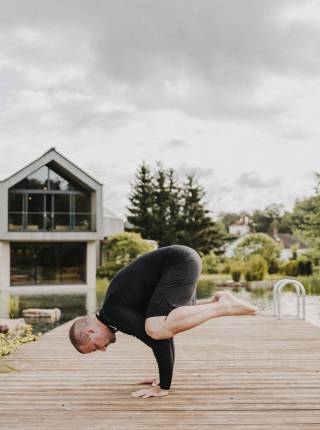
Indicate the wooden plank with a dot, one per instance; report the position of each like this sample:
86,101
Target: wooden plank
231,373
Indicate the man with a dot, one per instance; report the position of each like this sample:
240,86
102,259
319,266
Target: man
153,298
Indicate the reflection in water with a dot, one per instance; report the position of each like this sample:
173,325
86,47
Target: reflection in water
73,305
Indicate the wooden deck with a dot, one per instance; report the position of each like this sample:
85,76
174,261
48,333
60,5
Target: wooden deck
240,373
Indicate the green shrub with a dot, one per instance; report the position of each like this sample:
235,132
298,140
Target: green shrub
304,266
119,250
256,268
297,267
210,263
237,267
109,269
289,268
273,266
311,284
236,275
257,244
248,276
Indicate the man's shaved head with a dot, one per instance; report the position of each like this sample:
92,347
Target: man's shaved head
88,334
77,335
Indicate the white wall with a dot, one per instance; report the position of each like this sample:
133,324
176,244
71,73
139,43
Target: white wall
112,225
239,230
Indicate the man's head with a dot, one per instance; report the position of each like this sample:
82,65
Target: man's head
88,334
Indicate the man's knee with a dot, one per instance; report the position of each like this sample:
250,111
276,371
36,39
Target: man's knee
155,327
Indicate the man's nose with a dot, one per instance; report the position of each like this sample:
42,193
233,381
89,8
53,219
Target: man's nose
103,348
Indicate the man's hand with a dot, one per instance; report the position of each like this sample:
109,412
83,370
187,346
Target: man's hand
152,381
150,392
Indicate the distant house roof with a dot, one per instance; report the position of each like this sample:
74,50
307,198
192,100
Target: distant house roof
288,240
244,220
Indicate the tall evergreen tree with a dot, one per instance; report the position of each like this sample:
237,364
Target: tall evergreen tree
141,198
167,205
198,230
174,209
306,215
163,210
160,206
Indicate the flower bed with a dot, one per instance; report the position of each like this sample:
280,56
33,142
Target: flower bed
12,339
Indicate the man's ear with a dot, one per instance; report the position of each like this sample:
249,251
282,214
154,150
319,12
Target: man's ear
88,330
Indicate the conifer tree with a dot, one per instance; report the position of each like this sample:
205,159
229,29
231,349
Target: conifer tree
174,208
160,206
163,210
141,206
198,230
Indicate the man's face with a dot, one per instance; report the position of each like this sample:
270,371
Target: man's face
100,338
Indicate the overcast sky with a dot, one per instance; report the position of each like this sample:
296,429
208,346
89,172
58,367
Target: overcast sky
228,89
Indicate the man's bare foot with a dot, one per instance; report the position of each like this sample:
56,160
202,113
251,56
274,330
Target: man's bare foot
231,305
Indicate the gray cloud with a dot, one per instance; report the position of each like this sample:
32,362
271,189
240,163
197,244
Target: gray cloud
175,144
199,171
253,180
205,58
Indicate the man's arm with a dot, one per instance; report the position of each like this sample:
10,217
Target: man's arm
133,323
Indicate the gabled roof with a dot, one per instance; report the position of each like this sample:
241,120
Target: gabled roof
53,156
288,240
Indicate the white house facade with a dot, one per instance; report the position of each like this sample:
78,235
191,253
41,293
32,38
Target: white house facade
51,224
112,223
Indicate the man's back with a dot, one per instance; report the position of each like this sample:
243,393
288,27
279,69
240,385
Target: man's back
134,285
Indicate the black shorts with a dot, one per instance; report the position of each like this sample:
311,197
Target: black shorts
178,283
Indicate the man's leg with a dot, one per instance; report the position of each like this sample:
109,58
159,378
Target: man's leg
186,317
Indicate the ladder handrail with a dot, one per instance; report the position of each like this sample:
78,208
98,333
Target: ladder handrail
300,291
275,295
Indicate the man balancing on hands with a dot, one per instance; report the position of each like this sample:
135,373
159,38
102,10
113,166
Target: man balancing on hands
153,299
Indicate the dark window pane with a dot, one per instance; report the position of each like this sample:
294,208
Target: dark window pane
22,264
38,180
62,222
50,263
36,203
82,203
73,258
15,221
35,212
15,216
62,203
57,182
15,202
82,222
35,221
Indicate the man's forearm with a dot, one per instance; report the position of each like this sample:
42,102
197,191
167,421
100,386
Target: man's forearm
203,301
163,353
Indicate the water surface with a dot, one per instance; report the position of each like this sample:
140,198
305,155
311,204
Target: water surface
73,305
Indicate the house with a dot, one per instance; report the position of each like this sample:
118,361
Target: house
240,227
51,224
112,223
288,243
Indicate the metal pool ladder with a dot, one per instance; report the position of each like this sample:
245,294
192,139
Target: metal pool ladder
301,297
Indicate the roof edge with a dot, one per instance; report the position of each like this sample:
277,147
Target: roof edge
52,149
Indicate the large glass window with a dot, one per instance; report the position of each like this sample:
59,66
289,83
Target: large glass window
35,211
46,200
16,209
47,263
38,180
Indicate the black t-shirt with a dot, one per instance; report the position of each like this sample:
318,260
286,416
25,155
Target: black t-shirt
127,300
